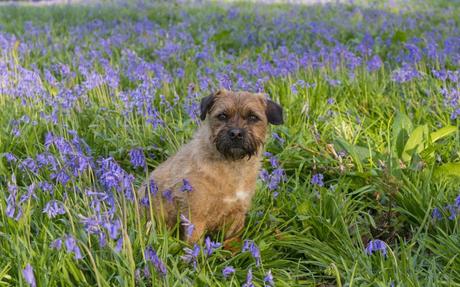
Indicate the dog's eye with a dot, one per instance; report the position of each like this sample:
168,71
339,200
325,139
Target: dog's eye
253,118
222,117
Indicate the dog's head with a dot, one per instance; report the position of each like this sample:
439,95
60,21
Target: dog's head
238,121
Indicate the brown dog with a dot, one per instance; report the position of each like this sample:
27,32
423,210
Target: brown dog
211,180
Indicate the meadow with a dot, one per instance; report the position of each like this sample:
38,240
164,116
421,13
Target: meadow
359,187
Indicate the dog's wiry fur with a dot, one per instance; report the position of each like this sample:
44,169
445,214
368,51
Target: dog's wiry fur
221,163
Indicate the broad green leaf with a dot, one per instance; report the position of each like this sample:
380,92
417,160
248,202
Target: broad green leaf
399,36
442,132
448,169
417,141
359,154
402,127
221,35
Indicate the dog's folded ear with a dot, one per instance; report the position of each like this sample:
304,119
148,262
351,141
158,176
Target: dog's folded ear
274,113
205,106
207,102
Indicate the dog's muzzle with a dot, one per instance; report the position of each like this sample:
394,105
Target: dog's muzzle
234,144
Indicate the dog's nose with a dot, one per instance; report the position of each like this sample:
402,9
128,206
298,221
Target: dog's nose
236,134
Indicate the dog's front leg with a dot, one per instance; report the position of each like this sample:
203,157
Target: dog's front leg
232,234
198,231
235,228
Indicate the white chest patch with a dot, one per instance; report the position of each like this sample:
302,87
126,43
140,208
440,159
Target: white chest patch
240,195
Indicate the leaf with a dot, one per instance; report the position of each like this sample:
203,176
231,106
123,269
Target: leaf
358,153
442,132
399,36
448,169
416,143
402,127
222,35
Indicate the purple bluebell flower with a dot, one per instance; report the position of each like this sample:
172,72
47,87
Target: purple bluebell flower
374,63
278,138
330,101
137,157
189,227
137,274
227,271
15,132
56,244
168,194
436,214
191,104
29,164
28,274
13,209
46,186
180,73
112,176
441,74
453,76
9,157
413,54
63,146
151,255
268,279
49,139
49,77
186,186
366,45
54,208
405,74
317,179
119,245
455,114
210,246
145,201
72,247
46,159
113,228
61,177
250,246
274,161
264,175
92,224
376,245
191,255
248,282
333,83
30,193
153,187
276,178
273,179
102,239
453,210
12,187
147,272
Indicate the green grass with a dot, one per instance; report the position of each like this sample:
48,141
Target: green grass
308,235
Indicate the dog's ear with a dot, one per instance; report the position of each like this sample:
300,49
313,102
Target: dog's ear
206,104
274,113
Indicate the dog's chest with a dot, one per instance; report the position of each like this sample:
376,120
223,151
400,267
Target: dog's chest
240,195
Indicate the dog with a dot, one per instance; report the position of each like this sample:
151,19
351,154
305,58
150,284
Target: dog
211,180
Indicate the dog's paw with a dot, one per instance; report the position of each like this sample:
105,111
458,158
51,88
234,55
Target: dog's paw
233,245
